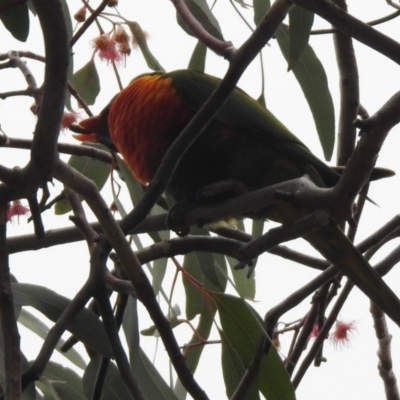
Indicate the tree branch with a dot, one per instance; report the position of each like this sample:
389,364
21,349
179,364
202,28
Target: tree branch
353,27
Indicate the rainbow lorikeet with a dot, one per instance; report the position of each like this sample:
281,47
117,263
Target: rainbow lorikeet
244,143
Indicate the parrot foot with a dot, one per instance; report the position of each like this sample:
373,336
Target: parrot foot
221,189
175,217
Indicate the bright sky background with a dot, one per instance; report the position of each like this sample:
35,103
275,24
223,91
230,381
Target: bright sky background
349,373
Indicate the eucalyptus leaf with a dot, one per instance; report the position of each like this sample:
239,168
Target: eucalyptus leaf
193,355
62,381
85,326
201,11
260,7
198,59
114,387
33,323
300,24
311,76
152,383
15,18
70,71
86,81
193,293
242,330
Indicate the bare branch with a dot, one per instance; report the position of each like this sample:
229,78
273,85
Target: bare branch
353,27
88,22
9,328
349,93
385,364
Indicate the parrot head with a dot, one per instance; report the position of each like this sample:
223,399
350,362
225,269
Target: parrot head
95,130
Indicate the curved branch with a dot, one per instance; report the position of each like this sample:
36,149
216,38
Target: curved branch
44,144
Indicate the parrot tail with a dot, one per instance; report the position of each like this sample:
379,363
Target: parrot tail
331,242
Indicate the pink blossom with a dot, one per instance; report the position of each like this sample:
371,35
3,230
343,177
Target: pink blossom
315,331
342,333
106,48
68,119
15,210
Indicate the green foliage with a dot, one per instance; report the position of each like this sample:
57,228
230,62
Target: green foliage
311,76
260,7
152,383
300,24
86,326
15,18
60,383
203,14
242,331
198,59
87,83
113,386
95,170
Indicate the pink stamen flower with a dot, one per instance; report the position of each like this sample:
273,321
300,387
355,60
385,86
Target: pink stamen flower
68,119
15,210
342,333
315,331
106,48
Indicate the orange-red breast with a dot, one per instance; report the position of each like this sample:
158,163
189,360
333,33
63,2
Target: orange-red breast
243,143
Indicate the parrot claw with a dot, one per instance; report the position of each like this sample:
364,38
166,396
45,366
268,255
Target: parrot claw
175,218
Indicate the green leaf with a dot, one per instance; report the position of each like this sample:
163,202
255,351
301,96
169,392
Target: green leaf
134,187
242,331
198,59
311,76
87,83
15,18
159,270
203,14
62,382
137,32
234,369
300,24
68,24
213,266
193,355
194,296
113,386
150,331
260,7
246,287
85,326
95,170
37,326
151,382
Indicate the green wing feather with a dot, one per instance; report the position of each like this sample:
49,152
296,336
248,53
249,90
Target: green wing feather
247,116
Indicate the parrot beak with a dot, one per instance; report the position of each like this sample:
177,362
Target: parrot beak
94,130
87,130
86,137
